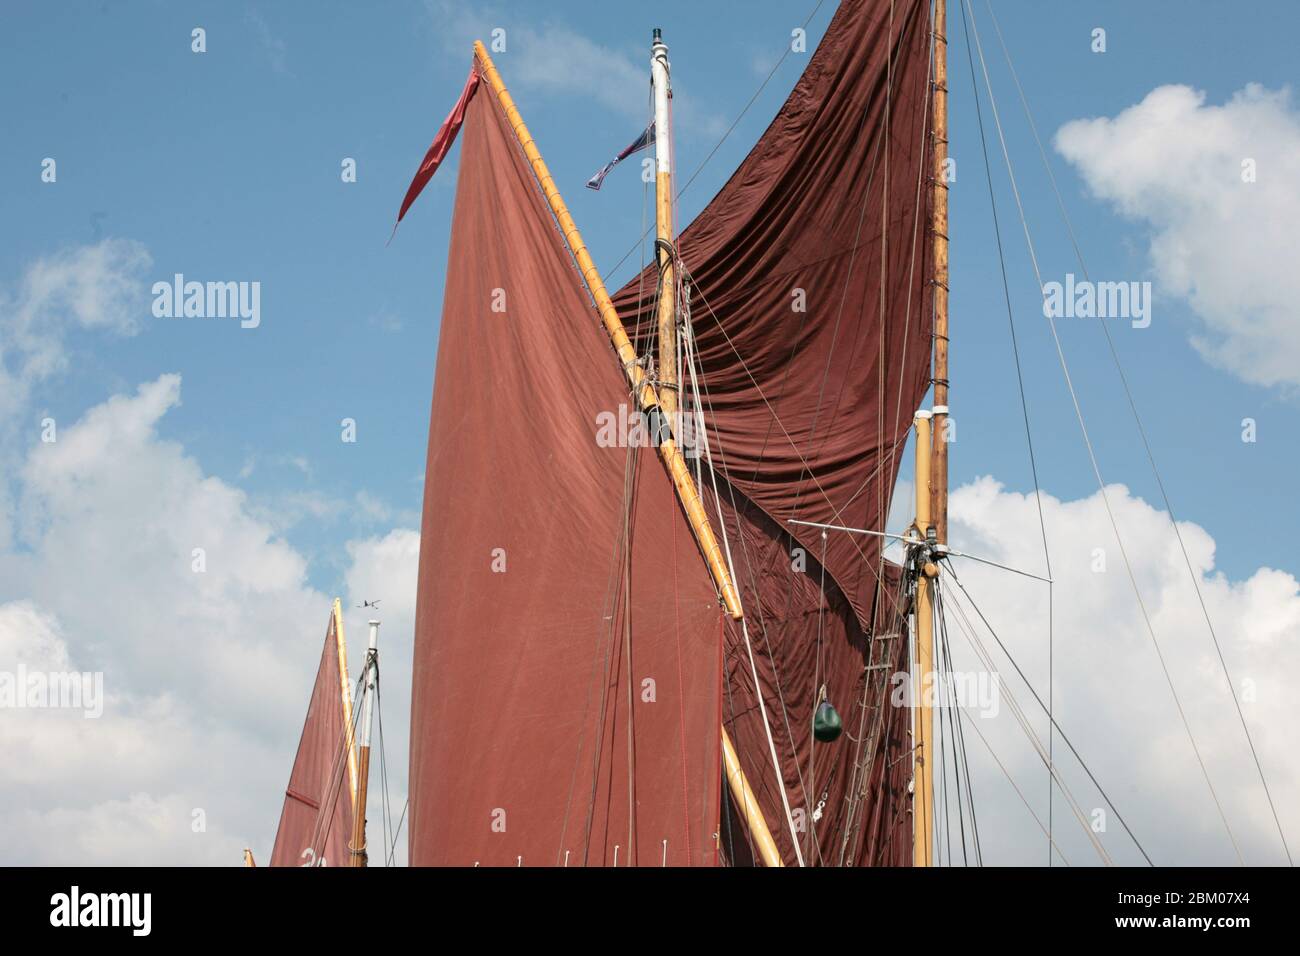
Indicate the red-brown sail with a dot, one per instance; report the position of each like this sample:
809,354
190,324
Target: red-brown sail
550,562
316,821
520,721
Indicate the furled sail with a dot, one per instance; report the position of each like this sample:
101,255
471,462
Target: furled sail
811,312
572,665
316,822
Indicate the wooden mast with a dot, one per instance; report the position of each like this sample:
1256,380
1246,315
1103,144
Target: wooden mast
939,239
357,846
923,661
664,238
932,463
647,396
665,245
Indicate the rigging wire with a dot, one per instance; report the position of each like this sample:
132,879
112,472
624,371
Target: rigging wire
383,766
1093,458
963,624
397,834
957,580
958,737
1011,780
610,609
718,145
1169,510
1024,408
707,455
726,547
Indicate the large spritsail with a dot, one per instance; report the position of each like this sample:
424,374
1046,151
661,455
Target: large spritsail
316,821
572,664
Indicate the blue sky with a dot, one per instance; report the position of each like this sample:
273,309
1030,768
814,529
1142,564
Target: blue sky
225,165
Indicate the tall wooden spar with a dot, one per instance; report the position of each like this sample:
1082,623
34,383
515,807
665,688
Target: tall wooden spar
939,239
923,658
664,238
369,687
932,466
665,246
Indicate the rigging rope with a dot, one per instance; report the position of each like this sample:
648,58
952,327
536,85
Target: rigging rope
1169,510
786,48
1093,458
957,580
1029,439
981,652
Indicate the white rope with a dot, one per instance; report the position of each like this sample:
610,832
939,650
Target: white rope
1078,411
744,626
963,625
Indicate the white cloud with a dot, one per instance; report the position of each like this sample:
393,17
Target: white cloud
206,675
99,286
1224,245
276,50
1110,696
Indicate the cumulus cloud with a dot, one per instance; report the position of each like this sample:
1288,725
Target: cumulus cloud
207,660
98,286
206,673
207,656
122,558
131,562
1175,163
1110,695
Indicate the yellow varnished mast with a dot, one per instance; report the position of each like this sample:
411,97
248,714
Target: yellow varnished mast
939,239
669,379
665,240
932,466
923,659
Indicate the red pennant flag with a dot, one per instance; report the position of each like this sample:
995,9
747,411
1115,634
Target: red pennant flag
441,143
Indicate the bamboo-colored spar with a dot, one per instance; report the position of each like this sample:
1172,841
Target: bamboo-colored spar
248,857
667,302
642,388
346,685
923,665
357,847
744,797
939,238
667,318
